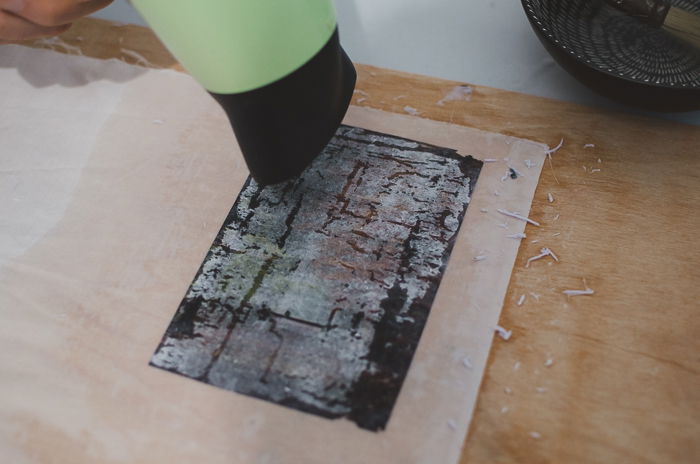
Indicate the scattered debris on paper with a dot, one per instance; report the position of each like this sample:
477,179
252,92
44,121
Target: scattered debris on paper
518,216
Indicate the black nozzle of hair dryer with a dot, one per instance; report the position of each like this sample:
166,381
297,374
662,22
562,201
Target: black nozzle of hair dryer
283,126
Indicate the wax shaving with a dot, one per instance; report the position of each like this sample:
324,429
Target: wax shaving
540,389
504,409
411,110
587,291
599,160
529,164
503,333
460,92
361,99
521,300
589,145
497,193
550,198
452,424
544,252
466,362
556,234
490,160
507,390
535,435
548,362
517,236
503,225
536,296
57,45
140,60
361,92
158,121
516,366
479,258
556,218
484,210
535,241
550,151
399,97
505,176
595,170
518,216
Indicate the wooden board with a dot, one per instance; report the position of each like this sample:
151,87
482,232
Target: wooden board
624,385
117,233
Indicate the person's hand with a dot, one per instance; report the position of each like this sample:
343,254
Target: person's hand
32,19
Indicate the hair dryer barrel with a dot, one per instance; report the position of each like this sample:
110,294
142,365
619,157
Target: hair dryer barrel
277,69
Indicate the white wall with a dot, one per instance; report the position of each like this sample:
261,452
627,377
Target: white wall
485,42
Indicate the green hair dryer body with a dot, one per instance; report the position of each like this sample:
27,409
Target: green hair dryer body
275,66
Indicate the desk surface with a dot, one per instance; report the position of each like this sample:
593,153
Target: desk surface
624,379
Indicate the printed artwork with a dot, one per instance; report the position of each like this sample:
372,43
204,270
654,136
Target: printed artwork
315,292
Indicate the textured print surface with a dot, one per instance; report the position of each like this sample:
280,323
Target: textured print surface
316,291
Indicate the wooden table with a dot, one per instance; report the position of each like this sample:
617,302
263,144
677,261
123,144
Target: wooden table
624,379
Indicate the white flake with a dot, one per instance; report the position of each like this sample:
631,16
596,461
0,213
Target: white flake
550,198
518,216
544,252
589,145
521,300
460,92
503,333
140,59
466,362
535,435
549,151
517,236
548,362
587,291
411,110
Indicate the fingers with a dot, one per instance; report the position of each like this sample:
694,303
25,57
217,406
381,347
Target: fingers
15,29
51,13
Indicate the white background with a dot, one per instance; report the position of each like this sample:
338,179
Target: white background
484,42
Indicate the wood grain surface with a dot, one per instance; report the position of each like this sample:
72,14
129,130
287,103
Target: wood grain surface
624,379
